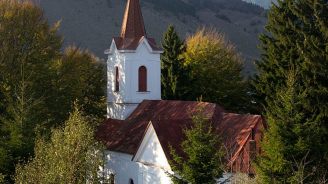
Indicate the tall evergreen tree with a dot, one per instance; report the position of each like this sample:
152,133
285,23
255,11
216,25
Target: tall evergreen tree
204,154
173,72
298,39
291,138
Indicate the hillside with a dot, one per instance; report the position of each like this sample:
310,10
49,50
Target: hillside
263,3
91,24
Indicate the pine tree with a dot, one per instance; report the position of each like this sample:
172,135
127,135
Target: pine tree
202,147
298,39
288,139
173,72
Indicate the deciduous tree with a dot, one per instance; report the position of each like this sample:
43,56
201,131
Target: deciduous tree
80,76
28,44
72,155
215,71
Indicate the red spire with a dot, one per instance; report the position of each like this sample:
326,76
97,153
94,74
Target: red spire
133,24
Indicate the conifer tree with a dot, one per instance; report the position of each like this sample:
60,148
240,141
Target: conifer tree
298,39
288,139
204,155
173,73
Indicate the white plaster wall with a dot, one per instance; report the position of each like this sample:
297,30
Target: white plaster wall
153,162
128,63
152,175
151,152
120,111
143,57
122,167
149,166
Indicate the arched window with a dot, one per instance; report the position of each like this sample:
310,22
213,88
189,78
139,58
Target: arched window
142,79
117,80
131,181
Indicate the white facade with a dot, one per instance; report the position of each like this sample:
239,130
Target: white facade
122,103
148,166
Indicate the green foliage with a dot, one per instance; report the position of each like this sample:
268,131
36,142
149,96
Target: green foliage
204,152
27,46
80,76
71,156
242,178
173,72
297,39
38,84
292,138
215,71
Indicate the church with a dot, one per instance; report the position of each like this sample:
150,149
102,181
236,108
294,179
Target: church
141,127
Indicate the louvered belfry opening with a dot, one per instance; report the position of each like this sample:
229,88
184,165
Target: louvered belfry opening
142,79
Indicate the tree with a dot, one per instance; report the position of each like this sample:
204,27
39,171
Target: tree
17,126
72,155
291,137
215,71
204,152
27,45
297,38
173,72
80,76
38,83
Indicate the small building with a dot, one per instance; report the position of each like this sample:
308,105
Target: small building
141,127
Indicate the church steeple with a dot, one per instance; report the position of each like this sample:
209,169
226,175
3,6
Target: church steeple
133,66
133,24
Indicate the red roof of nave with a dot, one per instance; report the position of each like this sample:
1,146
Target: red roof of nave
169,119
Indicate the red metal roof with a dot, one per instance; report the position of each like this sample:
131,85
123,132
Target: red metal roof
133,43
170,118
133,24
133,29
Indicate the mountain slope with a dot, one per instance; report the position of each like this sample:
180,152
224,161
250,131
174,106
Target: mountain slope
263,3
92,23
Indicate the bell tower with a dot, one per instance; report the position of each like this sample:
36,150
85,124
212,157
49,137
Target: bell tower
133,66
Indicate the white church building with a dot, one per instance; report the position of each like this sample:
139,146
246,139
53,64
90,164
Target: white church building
141,127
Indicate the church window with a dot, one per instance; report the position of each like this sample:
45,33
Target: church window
142,79
117,78
131,181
